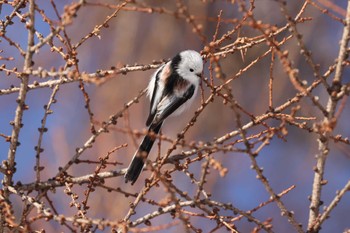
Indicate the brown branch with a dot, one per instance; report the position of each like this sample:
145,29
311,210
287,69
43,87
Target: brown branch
327,126
89,143
8,21
322,217
38,168
21,107
236,117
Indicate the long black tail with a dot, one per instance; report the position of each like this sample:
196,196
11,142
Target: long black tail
141,155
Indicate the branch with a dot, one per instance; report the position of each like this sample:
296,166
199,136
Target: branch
327,126
17,123
320,219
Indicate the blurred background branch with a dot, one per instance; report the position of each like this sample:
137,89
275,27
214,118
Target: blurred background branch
274,94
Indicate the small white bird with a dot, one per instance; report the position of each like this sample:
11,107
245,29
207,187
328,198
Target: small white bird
172,89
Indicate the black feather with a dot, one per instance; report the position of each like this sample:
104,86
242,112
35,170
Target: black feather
138,161
156,118
175,104
169,85
174,76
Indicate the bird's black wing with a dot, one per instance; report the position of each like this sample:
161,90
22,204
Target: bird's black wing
138,161
174,103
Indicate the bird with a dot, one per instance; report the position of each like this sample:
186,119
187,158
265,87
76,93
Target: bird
172,89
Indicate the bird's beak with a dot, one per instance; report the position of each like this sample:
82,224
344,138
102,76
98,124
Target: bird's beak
199,75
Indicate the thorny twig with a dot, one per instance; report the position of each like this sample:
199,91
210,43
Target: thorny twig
182,183
327,126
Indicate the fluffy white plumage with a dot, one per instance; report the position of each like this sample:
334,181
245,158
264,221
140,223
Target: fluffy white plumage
189,68
171,89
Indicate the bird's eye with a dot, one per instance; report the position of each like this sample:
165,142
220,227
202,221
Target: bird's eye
191,69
